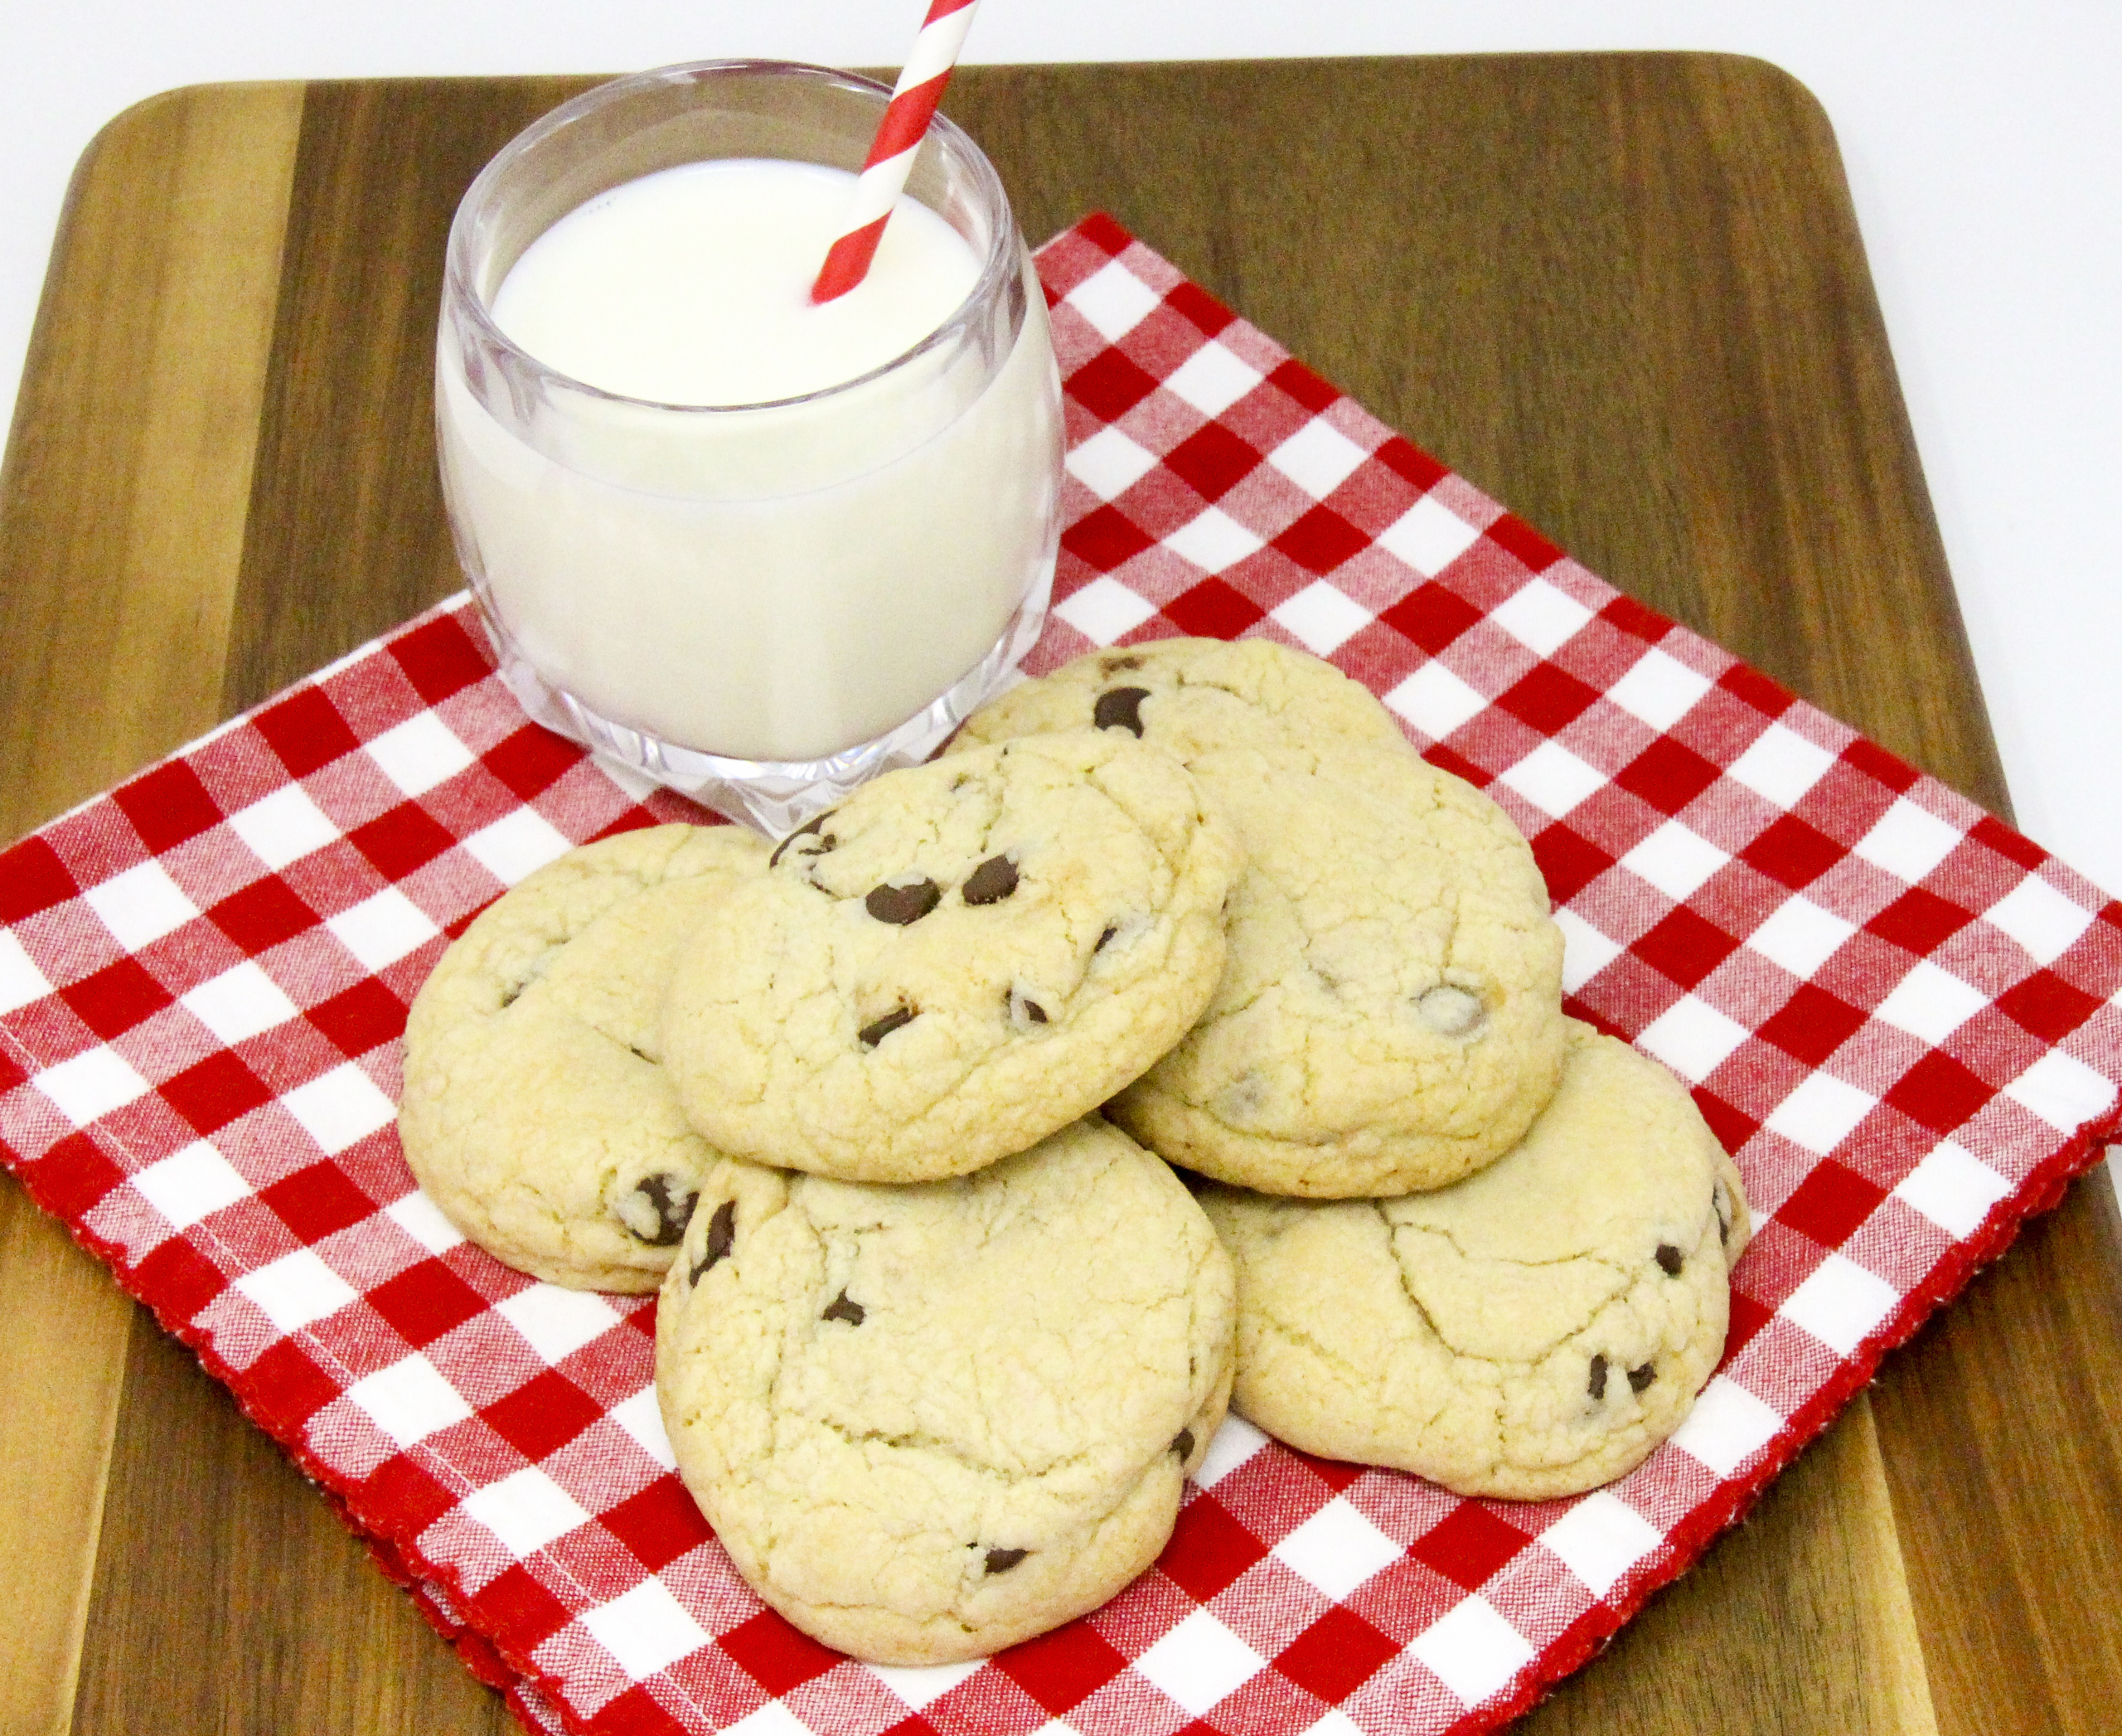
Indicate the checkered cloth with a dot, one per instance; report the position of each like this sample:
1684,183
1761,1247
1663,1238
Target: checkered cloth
1899,1014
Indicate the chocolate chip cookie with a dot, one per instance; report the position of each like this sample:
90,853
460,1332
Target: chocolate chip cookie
536,1114
1391,1016
1534,1331
960,959
928,1421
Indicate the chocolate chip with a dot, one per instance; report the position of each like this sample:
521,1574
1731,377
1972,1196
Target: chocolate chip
1451,1012
1242,1099
874,1034
1182,1443
1113,665
636,1050
1723,1229
903,905
672,1203
1122,932
1597,1389
1120,708
721,1237
1640,1378
1001,1561
843,1309
814,827
991,882
1669,1259
1022,1012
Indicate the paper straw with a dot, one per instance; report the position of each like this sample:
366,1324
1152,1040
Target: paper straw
900,134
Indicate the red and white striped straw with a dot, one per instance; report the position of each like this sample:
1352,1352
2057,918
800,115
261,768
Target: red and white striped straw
900,134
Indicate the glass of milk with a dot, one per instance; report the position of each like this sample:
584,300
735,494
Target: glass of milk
753,549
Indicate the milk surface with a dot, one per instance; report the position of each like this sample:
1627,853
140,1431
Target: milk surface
693,285
777,581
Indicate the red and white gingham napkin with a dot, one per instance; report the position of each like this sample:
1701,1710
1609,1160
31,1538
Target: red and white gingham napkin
1899,1014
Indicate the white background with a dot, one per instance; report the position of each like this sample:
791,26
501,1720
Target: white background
1982,141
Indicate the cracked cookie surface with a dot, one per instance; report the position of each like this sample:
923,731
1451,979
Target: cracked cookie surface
1190,696
536,1114
928,1421
1534,1331
1390,1017
961,958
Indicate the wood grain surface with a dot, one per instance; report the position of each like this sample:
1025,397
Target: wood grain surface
1624,293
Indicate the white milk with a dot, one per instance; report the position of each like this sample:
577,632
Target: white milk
692,286
775,581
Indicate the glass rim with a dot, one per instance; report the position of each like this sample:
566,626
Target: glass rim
457,291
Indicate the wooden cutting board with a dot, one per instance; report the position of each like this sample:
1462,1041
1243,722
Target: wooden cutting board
1625,293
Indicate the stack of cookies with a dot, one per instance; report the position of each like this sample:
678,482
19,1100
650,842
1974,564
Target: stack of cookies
1474,1239
937,1340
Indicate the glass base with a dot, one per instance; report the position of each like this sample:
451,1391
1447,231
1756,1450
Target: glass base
773,797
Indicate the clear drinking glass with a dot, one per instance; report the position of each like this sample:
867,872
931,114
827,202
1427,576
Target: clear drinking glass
761,605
